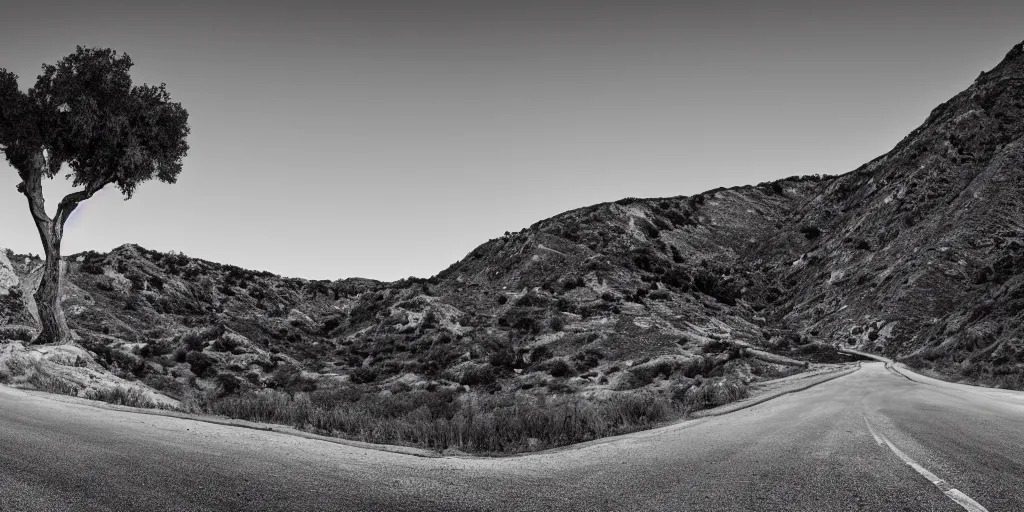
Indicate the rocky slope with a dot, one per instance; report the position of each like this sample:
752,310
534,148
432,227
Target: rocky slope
917,255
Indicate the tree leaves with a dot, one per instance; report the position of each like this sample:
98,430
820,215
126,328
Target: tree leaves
18,133
85,112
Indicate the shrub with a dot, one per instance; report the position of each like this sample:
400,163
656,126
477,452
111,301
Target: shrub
201,364
155,348
500,423
330,324
196,339
522,320
716,286
12,306
646,260
429,319
676,256
42,380
123,395
810,232
363,375
17,333
289,378
531,299
588,359
557,323
677,277
714,392
558,367
227,343
502,356
229,383
573,283
540,353
476,375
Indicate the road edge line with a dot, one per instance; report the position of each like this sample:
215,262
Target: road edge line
952,493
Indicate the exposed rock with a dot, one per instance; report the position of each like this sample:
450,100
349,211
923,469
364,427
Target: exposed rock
8,277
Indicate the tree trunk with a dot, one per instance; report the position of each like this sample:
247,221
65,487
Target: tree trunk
51,314
54,326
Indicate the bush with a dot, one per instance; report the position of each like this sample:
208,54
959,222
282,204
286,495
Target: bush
522,320
42,380
201,364
17,333
363,375
531,299
572,283
500,423
810,232
155,348
714,392
588,359
196,339
229,383
503,357
330,324
557,323
540,353
226,343
122,395
558,367
429,319
477,375
716,286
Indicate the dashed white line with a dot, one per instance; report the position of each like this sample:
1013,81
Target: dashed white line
960,498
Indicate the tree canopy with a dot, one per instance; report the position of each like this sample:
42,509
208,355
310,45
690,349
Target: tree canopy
85,113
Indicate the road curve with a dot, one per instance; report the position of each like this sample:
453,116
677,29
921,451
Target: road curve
831,447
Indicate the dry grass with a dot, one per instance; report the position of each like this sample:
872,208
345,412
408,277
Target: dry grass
42,380
977,373
123,395
473,423
501,423
48,377
715,392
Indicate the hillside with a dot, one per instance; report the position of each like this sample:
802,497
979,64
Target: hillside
917,255
576,303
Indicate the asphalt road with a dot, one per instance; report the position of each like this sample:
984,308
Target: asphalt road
831,447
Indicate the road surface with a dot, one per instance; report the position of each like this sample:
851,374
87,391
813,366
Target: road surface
847,444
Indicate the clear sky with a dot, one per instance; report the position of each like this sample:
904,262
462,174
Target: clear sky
389,138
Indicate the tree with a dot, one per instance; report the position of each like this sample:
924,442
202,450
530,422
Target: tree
84,117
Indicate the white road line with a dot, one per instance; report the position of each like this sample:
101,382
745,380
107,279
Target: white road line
960,498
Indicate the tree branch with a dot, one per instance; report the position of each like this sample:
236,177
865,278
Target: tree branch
72,200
